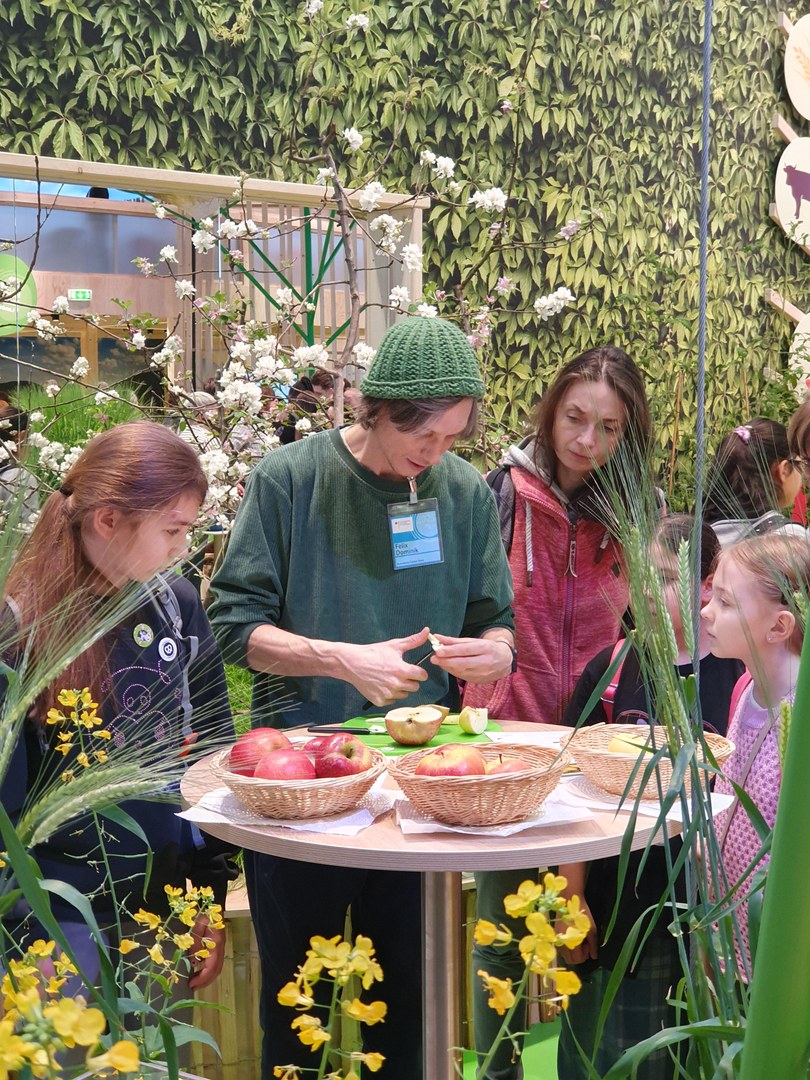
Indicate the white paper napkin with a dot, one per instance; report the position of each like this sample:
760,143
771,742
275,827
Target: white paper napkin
412,821
579,791
221,807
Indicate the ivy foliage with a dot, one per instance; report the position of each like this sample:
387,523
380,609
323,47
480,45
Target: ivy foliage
603,116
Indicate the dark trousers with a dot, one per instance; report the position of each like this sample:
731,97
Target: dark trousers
290,902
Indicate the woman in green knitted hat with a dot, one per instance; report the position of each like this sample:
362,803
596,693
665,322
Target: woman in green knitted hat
332,577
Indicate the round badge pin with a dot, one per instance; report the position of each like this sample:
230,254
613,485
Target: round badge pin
142,635
167,648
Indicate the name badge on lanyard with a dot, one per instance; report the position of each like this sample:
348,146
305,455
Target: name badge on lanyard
416,534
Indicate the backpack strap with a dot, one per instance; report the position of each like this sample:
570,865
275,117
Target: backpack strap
503,488
609,693
740,686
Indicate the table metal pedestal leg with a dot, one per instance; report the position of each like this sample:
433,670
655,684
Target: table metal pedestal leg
441,972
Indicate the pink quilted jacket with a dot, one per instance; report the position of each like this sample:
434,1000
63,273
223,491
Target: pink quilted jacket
570,595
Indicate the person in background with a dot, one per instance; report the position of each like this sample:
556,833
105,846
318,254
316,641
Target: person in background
569,580
755,615
19,491
199,414
799,443
753,480
121,515
640,1007
327,594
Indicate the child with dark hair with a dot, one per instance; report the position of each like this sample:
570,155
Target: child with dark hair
754,478
19,497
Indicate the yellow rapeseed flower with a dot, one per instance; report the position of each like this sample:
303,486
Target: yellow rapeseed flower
537,948
66,776
54,985
487,933
373,1061
500,990
521,903
74,1022
127,945
372,1013
296,997
156,955
101,756
83,760
310,1031
54,716
567,982
41,948
183,941
68,698
122,1056
104,734
287,1072
555,883
146,918
13,1049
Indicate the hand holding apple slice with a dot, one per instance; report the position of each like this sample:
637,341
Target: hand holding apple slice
414,726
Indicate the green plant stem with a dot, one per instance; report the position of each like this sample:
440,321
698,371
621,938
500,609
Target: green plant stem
503,1031
780,999
326,1046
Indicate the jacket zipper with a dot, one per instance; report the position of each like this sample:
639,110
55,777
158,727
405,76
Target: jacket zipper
568,615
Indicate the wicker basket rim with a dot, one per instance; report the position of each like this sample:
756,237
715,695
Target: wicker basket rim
558,760
318,784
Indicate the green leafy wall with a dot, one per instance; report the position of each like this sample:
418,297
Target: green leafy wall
606,116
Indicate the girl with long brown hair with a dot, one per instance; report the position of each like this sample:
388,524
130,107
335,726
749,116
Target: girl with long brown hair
121,515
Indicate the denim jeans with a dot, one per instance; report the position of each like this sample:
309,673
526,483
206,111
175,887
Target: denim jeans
292,901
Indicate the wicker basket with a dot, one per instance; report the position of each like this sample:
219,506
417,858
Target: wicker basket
289,799
483,800
611,772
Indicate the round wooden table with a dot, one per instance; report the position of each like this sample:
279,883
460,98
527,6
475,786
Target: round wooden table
440,858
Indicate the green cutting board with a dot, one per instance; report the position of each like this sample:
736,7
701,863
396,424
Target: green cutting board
447,733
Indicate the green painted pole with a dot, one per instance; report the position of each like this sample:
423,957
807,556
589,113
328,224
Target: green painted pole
777,1039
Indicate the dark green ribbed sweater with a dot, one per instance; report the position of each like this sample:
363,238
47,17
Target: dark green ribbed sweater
310,552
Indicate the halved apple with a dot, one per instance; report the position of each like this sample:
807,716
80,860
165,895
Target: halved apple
414,726
473,721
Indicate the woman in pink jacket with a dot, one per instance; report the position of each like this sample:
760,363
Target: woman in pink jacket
569,580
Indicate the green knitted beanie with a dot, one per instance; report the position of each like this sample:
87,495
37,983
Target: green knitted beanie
423,358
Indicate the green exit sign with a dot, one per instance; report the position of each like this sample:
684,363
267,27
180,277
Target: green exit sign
80,294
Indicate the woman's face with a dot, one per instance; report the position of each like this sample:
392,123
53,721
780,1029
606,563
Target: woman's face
588,426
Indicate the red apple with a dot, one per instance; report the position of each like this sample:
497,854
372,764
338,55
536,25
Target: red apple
343,755
316,745
252,746
285,765
452,760
507,765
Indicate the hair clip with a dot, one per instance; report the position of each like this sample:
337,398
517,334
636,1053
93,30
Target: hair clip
744,433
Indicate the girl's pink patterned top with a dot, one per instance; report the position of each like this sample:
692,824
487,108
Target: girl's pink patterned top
762,785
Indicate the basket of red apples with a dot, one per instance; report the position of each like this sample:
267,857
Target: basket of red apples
485,784
303,778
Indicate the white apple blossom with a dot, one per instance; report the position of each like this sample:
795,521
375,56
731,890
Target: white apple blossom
105,396
169,253
60,306
36,439
70,459
36,417
570,229
215,464
454,188
241,350
427,311
411,256
427,157
138,340
310,356
399,297
264,346
184,288
160,210
81,367
354,140
304,425
171,351
247,227
52,389
8,287
241,394
491,201
325,176
357,22
548,306
203,241
146,267
392,232
51,455
363,354
370,196
285,376
228,230
313,7
444,168
232,372
285,298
